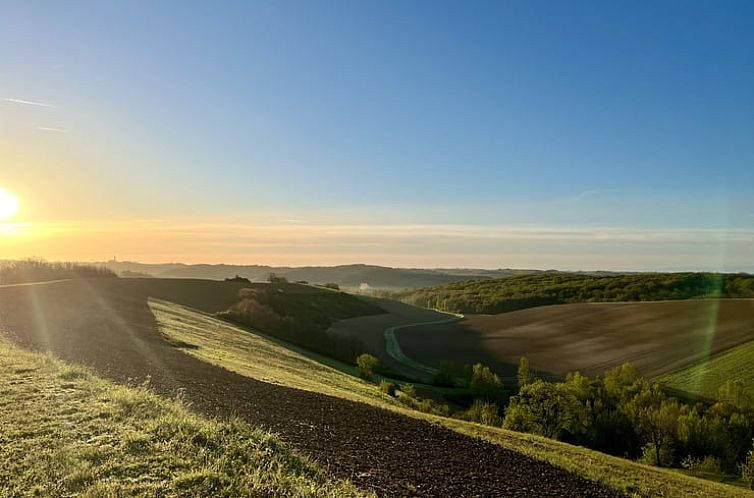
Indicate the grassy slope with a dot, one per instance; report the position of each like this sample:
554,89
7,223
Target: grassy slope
261,357
66,432
704,378
258,357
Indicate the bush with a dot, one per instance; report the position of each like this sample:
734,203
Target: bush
482,378
747,470
408,390
446,374
649,455
388,387
708,464
483,412
368,365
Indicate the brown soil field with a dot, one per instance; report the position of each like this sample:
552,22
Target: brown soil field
108,325
657,337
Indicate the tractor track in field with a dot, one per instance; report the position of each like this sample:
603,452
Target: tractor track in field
107,325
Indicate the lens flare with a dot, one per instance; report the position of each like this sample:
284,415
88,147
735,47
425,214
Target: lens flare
8,204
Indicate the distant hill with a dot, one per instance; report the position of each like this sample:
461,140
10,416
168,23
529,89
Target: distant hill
346,276
530,290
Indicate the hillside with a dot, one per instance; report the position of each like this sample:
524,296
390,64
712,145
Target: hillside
110,326
258,357
347,276
67,432
657,337
302,314
527,291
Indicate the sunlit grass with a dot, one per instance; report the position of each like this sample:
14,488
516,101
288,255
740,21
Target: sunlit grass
256,356
705,378
66,432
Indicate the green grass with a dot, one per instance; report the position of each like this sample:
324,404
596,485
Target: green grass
65,432
705,378
259,357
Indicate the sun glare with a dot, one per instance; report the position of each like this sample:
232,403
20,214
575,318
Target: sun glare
8,204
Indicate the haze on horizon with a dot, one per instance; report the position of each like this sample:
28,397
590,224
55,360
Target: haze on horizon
570,135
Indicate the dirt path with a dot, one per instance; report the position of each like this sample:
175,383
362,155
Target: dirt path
108,325
393,347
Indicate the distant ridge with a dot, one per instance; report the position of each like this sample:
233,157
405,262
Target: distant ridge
346,276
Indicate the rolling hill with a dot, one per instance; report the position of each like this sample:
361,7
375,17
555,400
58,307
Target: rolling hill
527,291
108,324
347,276
657,337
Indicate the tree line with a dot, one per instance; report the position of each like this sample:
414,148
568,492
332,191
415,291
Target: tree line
624,414
526,291
36,270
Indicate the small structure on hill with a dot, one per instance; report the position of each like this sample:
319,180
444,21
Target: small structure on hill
239,279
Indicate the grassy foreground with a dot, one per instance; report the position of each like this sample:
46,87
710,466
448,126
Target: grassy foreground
66,433
705,378
259,357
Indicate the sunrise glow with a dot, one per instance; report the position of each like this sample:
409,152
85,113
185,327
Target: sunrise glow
8,204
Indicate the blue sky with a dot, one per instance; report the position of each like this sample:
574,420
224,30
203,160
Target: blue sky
614,115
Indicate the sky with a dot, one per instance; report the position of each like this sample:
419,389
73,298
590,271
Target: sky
528,134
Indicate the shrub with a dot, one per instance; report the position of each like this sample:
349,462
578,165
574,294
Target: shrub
388,387
708,464
409,390
483,378
747,470
446,374
368,365
483,412
650,453
526,374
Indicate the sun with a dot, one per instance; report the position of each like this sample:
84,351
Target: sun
8,204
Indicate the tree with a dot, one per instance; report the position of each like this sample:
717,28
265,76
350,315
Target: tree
446,374
367,365
526,374
735,393
482,378
543,408
747,470
275,279
483,413
656,420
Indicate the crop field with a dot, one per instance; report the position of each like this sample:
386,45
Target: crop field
657,337
705,378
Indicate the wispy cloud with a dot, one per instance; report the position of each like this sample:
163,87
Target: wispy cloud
54,130
591,193
29,102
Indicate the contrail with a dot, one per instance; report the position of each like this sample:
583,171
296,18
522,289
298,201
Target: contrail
29,102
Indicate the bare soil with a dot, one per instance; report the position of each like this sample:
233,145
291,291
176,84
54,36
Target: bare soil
108,325
657,337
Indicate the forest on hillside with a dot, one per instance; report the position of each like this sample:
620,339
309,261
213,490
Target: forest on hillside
526,291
